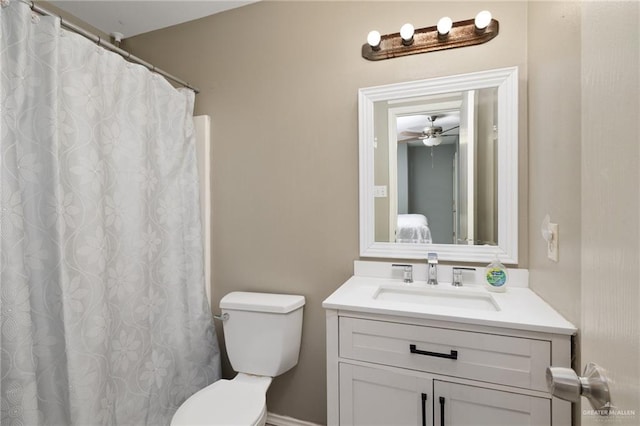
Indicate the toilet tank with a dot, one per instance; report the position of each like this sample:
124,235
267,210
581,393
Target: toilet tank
262,332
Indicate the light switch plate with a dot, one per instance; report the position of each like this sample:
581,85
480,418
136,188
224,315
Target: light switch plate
380,191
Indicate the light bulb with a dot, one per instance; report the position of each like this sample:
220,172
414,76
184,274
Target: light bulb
373,38
444,25
406,32
483,19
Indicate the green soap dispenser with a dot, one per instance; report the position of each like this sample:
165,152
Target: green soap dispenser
496,276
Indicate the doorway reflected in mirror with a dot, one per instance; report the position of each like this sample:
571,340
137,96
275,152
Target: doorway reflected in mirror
442,169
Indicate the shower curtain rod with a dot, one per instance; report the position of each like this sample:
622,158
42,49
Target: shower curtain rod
103,43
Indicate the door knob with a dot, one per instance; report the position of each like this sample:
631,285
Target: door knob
565,384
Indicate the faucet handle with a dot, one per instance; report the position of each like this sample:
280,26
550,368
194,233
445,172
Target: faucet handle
457,275
407,271
432,268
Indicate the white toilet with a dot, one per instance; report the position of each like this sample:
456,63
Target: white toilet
262,332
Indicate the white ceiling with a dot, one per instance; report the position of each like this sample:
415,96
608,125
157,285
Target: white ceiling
417,122
132,17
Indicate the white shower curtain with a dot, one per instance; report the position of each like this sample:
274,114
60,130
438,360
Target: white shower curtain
103,311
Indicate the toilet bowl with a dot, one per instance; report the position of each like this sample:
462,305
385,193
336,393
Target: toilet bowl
262,332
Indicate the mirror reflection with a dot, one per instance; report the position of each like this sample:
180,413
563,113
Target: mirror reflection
444,152
435,171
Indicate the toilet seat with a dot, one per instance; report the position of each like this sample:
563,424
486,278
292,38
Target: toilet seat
237,402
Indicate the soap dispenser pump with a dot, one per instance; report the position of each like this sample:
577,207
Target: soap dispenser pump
496,276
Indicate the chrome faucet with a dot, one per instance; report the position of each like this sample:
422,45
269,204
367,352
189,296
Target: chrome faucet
457,275
432,268
407,271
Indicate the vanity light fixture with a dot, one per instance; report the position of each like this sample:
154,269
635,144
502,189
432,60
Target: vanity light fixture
445,35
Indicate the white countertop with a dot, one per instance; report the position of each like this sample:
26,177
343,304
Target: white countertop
519,307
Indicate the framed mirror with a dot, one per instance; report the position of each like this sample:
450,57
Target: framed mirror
439,168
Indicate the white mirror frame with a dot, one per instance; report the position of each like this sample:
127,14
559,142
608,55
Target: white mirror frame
506,80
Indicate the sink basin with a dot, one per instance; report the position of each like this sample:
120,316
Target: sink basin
451,297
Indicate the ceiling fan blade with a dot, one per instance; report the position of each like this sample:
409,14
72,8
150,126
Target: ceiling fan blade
403,137
455,127
412,134
408,140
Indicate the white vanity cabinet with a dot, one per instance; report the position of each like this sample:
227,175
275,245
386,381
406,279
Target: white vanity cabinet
395,370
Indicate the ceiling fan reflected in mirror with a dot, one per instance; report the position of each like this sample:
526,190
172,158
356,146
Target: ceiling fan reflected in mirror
431,135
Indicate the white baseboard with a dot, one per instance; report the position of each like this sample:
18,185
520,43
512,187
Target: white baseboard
280,420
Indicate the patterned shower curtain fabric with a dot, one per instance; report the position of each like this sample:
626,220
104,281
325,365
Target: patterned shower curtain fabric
103,311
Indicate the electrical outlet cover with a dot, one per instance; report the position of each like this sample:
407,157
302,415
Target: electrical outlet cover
552,246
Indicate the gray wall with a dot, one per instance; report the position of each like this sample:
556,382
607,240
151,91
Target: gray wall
431,188
403,178
554,150
280,81
486,214
381,171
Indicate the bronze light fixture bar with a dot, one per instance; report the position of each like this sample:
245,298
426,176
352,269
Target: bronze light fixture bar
462,34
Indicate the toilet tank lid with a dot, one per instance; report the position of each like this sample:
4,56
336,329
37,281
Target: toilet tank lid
261,302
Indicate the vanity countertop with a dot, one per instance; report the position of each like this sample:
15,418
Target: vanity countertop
519,307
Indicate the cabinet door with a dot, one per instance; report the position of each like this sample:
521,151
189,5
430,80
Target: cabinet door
371,396
457,405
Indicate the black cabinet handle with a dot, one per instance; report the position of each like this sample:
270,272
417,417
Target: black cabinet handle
442,411
452,355
424,409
